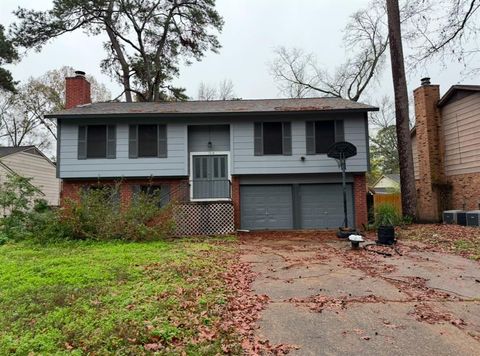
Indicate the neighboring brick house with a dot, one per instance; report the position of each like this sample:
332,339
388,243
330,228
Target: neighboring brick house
446,149
265,158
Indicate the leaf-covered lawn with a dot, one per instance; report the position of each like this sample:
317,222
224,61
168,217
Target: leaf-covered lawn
461,240
123,298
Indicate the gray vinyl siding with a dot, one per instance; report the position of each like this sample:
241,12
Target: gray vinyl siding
200,135
245,162
122,166
241,147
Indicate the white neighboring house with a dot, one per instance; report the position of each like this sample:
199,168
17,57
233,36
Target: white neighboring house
387,184
30,162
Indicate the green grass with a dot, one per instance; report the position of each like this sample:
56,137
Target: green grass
112,297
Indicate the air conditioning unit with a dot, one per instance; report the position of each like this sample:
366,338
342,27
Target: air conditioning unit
455,217
473,218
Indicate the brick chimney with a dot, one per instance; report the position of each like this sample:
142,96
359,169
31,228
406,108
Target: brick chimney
77,90
430,151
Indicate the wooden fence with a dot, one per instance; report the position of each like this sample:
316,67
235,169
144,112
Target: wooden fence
394,199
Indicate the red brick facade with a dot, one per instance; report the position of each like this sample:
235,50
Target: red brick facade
236,200
360,197
430,153
465,191
178,187
77,91
435,190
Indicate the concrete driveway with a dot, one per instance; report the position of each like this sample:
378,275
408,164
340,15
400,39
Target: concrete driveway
330,300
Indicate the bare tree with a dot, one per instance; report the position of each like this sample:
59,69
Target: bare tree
298,74
407,178
19,127
22,113
206,92
224,91
446,31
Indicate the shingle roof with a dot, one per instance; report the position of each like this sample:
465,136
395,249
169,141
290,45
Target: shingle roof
5,151
456,88
394,177
213,107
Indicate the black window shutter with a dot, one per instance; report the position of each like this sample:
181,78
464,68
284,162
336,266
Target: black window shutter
162,141
287,138
133,141
258,139
82,142
111,141
310,137
339,131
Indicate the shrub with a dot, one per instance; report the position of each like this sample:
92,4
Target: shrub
386,214
18,197
96,215
99,215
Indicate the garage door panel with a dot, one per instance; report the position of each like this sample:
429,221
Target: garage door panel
266,207
321,205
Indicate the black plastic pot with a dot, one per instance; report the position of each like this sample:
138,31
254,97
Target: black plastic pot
386,235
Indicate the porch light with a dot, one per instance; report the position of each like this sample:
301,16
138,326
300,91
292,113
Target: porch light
209,145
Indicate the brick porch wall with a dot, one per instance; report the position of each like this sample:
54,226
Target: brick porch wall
71,188
360,196
236,200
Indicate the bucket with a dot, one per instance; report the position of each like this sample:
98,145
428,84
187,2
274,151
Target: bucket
386,235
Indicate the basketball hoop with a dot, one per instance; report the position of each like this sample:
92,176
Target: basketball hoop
341,151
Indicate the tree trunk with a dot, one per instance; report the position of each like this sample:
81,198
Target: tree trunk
407,176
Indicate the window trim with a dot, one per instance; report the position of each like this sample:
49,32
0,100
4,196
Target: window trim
109,153
209,153
135,141
281,138
258,140
335,132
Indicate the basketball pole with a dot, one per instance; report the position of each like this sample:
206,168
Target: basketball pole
344,186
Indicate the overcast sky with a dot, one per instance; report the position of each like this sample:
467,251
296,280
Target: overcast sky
253,28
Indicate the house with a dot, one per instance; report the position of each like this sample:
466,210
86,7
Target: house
265,158
387,184
446,149
30,162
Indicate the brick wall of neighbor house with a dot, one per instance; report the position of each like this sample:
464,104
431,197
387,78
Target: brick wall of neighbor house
77,90
360,196
465,191
236,200
178,187
429,149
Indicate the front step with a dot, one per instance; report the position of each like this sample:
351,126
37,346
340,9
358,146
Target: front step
204,218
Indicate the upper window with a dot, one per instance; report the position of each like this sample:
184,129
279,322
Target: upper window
321,135
272,138
324,135
147,141
96,141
